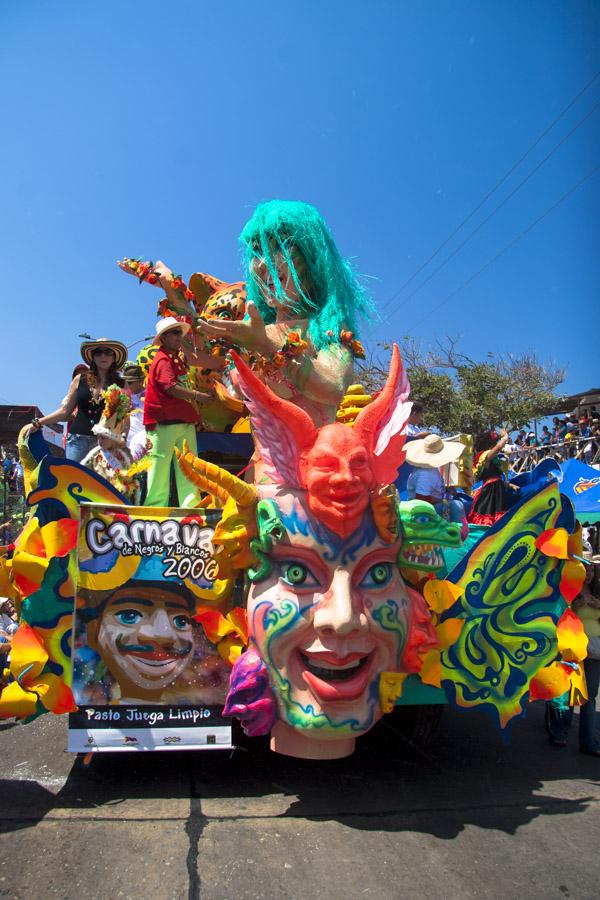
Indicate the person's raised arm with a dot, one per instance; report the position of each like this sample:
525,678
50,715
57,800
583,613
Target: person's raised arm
160,275
498,446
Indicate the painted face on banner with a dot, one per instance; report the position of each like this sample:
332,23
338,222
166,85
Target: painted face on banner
327,620
144,637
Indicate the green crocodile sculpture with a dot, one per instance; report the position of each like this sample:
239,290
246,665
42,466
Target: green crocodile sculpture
270,529
424,532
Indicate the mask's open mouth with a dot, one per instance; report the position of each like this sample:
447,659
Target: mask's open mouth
339,673
331,682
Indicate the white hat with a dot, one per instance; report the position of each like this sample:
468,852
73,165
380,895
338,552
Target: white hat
432,452
167,324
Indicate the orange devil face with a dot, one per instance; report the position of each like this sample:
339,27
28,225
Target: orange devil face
341,467
338,477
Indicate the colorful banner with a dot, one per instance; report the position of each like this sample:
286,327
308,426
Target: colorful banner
145,675
581,483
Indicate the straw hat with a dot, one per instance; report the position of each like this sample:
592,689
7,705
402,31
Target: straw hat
167,324
119,349
132,371
432,452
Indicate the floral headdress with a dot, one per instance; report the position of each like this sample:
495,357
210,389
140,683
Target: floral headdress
117,407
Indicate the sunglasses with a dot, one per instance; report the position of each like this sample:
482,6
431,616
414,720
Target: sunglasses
100,351
176,331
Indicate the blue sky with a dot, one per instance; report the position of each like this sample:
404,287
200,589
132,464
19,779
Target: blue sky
152,129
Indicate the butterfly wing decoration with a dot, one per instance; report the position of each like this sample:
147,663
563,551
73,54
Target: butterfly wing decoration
43,571
62,485
511,603
282,429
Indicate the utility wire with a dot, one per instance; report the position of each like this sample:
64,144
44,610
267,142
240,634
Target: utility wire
498,207
494,188
508,246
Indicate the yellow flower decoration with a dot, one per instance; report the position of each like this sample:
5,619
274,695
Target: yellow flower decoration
440,596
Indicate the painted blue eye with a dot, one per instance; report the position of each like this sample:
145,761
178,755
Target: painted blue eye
298,575
378,575
181,622
423,518
128,616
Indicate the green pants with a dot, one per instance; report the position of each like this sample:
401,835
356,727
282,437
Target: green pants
163,439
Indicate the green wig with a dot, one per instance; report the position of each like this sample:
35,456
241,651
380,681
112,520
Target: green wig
331,297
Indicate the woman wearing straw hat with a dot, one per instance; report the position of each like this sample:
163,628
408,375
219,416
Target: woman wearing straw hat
428,455
105,358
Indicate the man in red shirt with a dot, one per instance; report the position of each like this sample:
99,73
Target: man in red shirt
170,411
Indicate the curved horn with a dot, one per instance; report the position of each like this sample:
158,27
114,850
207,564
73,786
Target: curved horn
218,482
369,418
263,403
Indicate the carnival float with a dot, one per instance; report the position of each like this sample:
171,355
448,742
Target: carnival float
302,598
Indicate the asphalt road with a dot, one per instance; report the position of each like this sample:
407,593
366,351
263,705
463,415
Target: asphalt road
470,818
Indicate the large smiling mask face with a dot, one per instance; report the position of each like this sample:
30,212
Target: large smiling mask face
328,618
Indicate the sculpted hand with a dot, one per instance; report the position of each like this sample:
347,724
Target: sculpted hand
155,273
144,271
251,334
179,297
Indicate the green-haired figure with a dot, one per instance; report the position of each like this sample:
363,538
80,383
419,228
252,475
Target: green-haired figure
304,301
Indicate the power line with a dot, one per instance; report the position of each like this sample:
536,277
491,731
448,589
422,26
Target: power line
498,207
494,188
508,246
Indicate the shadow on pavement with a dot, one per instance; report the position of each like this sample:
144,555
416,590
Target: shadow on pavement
30,800
6,726
467,777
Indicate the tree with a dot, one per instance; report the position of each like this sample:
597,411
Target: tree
462,394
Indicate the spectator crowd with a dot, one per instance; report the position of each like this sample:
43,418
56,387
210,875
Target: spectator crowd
12,470
571,437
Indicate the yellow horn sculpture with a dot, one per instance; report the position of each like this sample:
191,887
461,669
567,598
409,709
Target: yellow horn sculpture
217,481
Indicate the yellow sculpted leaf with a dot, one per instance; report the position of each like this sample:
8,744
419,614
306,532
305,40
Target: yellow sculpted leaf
431,670
441,595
